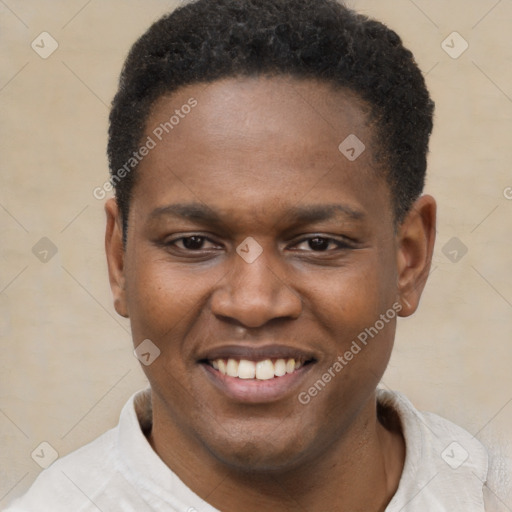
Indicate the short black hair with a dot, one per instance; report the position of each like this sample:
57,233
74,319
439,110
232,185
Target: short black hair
208,40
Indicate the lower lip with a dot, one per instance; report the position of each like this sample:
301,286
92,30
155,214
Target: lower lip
254,390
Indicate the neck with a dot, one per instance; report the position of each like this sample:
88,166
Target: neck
359,472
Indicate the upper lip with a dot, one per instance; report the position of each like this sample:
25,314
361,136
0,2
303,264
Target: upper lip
256,353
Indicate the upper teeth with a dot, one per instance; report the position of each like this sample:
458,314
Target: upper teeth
261,370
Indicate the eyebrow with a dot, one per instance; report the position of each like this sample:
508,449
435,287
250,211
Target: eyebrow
310,214
197,212
319,212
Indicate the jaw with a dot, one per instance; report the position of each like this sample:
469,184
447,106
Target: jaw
231,430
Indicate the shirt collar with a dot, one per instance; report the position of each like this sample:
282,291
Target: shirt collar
445,467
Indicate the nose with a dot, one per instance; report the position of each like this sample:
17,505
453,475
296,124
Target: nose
253,294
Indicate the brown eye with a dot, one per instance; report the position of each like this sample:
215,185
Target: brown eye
319,244
193,242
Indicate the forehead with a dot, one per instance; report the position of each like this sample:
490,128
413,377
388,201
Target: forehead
263,141
245,106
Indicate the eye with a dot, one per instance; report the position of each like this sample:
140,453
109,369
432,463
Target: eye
320,244
193,243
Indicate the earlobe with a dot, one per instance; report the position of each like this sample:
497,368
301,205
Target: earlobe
415,246
115,256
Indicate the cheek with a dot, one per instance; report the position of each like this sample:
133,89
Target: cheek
356,308
353,297
359,319
161,296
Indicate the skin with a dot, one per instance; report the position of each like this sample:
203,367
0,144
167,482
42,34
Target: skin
258,154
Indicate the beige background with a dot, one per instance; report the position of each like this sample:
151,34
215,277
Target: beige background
66,363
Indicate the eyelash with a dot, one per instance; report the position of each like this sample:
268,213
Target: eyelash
182,238
340,244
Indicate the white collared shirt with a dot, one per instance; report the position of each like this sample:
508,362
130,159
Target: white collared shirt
445,470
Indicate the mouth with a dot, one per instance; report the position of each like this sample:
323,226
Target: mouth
257,375
264,369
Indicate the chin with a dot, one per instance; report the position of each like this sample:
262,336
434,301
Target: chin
253,458
254,450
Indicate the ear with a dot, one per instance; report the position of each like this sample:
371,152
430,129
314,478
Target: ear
115,256
415,242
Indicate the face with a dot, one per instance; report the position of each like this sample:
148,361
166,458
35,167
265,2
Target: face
256,248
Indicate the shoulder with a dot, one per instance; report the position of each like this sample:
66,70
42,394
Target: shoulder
88,477
446,468
60,486
433,435
498,489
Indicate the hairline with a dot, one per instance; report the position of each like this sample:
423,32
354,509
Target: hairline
366,108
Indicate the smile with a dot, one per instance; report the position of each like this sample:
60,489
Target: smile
257,374
265,369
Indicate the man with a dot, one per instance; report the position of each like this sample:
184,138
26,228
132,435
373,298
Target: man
268,159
